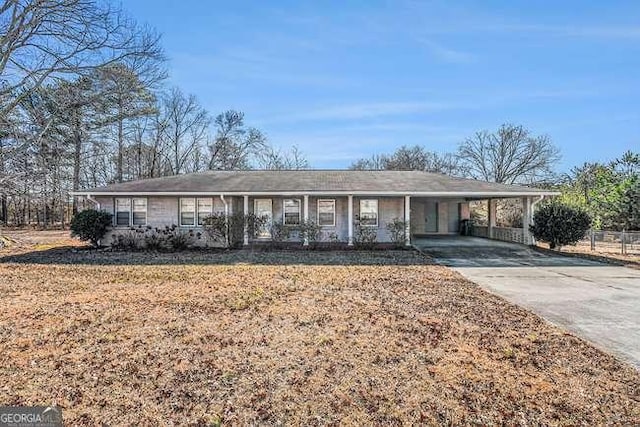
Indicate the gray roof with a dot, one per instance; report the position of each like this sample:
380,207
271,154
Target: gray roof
313,181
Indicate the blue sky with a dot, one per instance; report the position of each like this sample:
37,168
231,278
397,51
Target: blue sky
343,80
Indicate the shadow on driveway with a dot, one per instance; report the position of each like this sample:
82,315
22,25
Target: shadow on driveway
458,251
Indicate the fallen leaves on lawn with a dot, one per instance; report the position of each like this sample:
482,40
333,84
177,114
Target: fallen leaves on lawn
303,343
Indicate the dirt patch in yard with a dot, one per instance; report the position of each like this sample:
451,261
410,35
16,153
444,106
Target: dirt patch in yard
308,343
20,240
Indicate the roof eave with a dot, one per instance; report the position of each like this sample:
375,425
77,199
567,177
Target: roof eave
470,194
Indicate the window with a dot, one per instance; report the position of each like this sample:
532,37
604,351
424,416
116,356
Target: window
123,212
291,212
205,209
327,213
369,212
131,212
139,211
188,212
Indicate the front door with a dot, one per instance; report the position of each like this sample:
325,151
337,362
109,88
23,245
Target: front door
264,208
431,217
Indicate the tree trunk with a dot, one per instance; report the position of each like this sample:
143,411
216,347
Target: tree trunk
4,215
119,173
139,159
27,220
77,157
154,157
63,206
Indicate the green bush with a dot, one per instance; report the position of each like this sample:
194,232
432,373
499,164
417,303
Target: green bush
559,224
90,225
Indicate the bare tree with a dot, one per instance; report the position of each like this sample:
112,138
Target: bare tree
41,40
510,155
375,162
412,158
274,159
234,144
123,97
186,128
418,158
408,158
447,163
7,182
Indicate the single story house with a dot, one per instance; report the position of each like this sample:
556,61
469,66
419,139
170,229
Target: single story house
339,201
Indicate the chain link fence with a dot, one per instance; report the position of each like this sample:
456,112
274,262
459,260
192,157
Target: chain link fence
621,242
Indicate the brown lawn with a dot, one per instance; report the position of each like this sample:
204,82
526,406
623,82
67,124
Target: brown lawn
604,254
289,338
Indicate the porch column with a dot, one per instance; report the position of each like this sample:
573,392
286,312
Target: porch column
306,217
527,220
350,219
491,210
246,212
407,219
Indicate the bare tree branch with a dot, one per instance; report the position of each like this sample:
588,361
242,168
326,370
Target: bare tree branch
44,40
511,155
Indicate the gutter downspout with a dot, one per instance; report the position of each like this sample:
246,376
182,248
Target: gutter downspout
226,218
535,202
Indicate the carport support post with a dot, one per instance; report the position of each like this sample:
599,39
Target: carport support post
306,218
407,218
527,220
491,210
350,219
246,212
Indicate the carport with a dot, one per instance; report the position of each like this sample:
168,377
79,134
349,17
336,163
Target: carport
440,216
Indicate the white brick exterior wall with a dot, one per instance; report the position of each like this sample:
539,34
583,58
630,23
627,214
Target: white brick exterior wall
164,211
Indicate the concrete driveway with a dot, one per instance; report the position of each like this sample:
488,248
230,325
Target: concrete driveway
596,301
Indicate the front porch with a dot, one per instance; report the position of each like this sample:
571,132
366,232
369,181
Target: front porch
425,217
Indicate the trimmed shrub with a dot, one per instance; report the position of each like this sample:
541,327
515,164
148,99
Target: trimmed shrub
333,238
310,231
90,225
179,240
397,229
280,234
154,240
218,229
130,240
169,238
230,228
365,237
559,224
